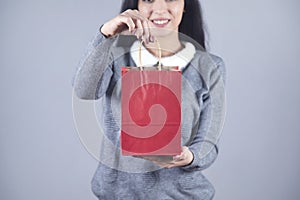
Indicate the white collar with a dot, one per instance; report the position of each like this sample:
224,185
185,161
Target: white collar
180,59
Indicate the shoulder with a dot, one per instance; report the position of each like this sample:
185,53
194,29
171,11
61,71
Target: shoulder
209,64
217,60
220,64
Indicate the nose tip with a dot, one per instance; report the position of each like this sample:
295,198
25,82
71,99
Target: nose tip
159,5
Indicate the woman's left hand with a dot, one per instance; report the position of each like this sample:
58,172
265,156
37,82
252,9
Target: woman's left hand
184,158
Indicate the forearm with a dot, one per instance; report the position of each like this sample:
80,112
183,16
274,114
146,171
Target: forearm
204,151
92,67
204,145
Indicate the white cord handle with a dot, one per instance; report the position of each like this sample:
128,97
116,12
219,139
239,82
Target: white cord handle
159,56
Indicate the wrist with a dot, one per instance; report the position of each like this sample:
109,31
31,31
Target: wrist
103,31
191,158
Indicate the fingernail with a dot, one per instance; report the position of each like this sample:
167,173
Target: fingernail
151,39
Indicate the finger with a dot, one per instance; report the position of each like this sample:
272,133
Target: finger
146,36
133,15
142,22
183,155
145,24
160,164
140,30
183,162
179,157
171,166
136,14
128,21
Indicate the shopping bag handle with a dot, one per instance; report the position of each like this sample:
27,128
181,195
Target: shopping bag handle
140,55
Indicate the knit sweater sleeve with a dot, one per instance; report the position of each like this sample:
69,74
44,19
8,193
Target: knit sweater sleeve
204,146
94,69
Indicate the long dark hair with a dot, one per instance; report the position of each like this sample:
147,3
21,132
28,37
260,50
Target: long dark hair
192,21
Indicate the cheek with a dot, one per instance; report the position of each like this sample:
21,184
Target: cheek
144,11
178,11
178,14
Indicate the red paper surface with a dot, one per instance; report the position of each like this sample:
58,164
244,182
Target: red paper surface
151,112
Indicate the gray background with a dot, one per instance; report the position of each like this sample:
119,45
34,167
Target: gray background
41,43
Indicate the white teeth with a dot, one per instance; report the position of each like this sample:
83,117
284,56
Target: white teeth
160,21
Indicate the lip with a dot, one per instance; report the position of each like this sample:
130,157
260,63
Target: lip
160,22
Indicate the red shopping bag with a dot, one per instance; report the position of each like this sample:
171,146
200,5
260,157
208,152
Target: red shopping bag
151,111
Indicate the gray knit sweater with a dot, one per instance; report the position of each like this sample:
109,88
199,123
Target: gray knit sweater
203,108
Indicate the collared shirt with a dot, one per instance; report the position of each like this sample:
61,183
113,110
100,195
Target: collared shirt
180,58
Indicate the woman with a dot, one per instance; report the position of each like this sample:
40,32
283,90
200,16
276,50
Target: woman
156,21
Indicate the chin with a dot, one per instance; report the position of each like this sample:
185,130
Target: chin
162,32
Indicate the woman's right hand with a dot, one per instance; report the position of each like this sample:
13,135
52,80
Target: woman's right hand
131,21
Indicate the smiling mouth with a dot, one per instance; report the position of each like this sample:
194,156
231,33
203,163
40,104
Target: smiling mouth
160,21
